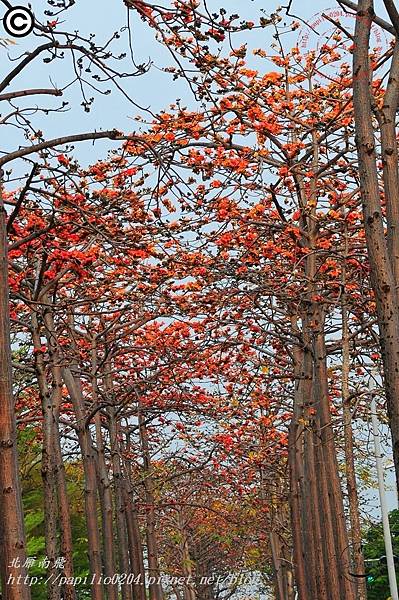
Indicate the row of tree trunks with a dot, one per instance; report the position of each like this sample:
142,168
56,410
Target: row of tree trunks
320,540
98,485
72,382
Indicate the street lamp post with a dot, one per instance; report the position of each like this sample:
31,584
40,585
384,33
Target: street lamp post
383,502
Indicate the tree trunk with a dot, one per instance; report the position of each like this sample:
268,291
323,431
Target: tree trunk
187,563
320,540
64,513
330,463
135,544
351,484
104,488
382,269
302,563
124,562
123,550
89,466
12,534
155,589
104,484
47,465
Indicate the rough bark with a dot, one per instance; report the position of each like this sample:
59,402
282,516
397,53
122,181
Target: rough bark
12,535
302,531
330,464
381,266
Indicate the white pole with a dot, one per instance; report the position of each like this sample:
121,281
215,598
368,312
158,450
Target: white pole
383,502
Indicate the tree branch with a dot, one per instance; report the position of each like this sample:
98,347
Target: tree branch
21,198
377,20
31,56
112,134
20,93
393,14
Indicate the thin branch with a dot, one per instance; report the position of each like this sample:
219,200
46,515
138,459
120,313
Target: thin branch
21,198
31,56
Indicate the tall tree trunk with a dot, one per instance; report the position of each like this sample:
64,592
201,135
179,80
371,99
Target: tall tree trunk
12,534
64,513
187,563
123,549
330,463
104,484
320,542
73,384
314,538
155,589
124,562
48,464
383,258
104,488
351,484
304,560
135,544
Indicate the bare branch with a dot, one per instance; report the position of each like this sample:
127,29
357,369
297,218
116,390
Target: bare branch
112,134
34,92
377,20
393,14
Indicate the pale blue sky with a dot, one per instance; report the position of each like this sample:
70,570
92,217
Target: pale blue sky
155,88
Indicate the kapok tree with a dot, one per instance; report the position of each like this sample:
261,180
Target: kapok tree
375,114
35,149
296,146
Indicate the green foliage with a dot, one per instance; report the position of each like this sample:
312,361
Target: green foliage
377,575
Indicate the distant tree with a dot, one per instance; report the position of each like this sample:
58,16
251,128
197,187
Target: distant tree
376,570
